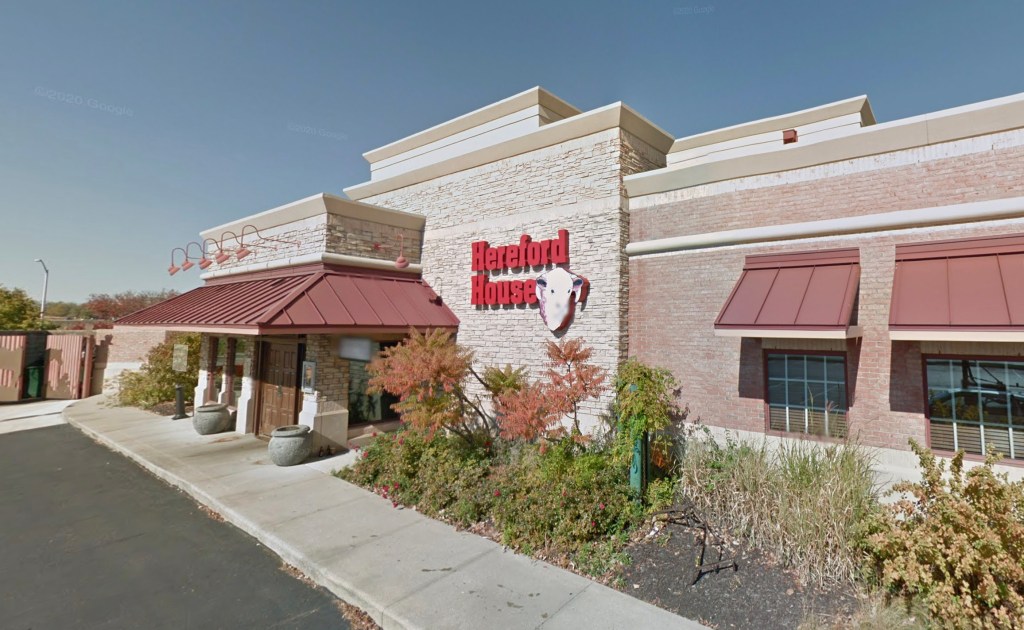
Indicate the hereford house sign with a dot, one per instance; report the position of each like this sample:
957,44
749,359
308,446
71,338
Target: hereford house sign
556,291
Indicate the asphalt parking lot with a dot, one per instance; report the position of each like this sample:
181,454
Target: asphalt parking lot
90,540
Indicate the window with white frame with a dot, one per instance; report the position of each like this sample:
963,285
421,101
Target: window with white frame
807,394
976,405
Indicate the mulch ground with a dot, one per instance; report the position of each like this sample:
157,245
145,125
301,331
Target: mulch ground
756,594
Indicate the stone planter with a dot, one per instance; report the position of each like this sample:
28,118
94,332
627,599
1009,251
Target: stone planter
212,418
290,445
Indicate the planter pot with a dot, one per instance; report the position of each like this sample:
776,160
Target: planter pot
290,445
214,418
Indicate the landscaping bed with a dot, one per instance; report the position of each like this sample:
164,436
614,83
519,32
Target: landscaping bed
812,544
759,593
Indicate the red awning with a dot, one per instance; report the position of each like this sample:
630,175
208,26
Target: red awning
320,301
808,295
965,290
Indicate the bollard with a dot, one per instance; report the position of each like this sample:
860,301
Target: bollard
640,468
179,403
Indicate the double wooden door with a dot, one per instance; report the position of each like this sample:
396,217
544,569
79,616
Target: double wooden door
279,386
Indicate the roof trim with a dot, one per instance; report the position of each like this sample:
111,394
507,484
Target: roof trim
987,117
315,205
850,332
845,256
616,115
855,105
316,257
959,334
283,303
527,98
958,248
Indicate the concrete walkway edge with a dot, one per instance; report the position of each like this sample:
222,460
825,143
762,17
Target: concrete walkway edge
583,603
289,554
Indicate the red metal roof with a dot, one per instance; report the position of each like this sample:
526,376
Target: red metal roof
318,301
970,284
808,291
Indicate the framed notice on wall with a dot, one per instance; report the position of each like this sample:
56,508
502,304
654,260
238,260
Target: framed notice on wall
308,376
179,361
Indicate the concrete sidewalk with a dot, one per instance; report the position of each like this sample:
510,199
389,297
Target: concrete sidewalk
404,569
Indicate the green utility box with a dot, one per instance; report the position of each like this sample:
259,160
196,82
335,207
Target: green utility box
34,382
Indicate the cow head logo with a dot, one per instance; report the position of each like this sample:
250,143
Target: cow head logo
558,291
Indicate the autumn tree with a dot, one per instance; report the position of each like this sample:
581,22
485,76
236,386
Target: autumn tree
537,410
573,378
428,373
107,306
529,413
68,310
18,311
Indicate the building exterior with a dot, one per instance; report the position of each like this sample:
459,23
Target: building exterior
859,282
529,165
813,276
290,317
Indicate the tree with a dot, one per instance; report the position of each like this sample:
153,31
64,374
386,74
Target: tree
529,413
537,410
428,374
67,310
107,306
18,311
573,379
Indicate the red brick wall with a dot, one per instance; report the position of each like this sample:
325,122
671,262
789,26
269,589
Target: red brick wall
992,174
675,298
130,344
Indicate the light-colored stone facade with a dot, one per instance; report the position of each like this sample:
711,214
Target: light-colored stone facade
322,228
326,409
577,186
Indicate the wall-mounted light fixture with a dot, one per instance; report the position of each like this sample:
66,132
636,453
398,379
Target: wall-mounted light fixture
205,262
221,255
401,262
173,269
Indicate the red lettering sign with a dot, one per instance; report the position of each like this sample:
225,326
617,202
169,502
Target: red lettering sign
527,252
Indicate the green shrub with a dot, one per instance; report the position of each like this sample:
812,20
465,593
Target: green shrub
801,502
441,475
155,382
560,499
956,542
555,501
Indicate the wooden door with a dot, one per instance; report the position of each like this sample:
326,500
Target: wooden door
279,386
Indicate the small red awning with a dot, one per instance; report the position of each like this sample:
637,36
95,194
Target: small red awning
807,295
964,290
319,301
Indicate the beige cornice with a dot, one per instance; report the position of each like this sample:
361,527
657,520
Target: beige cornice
856,105
319,204
512,104
978,119
616,115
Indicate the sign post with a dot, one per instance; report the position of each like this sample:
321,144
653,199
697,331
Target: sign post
179,363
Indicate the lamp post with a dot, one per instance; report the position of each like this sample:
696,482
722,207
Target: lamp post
46,281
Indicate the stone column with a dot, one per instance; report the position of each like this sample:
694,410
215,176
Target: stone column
326,409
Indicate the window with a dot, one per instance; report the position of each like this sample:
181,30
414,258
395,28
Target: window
807,394
362,406
976,405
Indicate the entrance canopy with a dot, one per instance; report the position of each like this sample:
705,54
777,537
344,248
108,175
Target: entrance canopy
809,295
965,290
300,301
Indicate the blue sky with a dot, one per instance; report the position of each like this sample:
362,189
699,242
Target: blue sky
128,127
